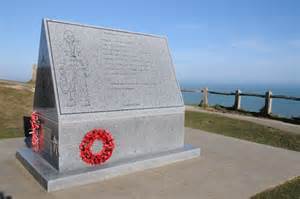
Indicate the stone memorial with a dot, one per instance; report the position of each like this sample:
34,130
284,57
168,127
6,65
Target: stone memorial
107,103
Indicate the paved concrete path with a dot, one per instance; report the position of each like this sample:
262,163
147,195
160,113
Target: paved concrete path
293,128
227,168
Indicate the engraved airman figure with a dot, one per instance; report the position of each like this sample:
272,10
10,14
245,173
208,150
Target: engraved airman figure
74,72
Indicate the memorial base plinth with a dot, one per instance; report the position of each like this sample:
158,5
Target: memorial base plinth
53,180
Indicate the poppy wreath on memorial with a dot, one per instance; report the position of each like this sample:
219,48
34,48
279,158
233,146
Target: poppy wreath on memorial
108,145
36,133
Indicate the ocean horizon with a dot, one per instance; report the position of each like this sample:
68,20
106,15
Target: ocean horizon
281,107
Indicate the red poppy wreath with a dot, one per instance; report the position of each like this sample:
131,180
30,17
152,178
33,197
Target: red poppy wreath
88,140
36,127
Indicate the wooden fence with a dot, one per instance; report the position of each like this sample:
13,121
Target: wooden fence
267,109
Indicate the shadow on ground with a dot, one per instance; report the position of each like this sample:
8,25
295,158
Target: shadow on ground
3,196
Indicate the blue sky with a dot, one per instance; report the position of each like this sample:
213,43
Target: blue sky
232,42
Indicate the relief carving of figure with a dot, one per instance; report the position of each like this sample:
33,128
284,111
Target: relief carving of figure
73,72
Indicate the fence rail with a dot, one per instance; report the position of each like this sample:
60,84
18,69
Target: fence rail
267,109
286,97
220,93
191,90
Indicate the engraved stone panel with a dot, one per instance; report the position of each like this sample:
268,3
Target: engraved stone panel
99,69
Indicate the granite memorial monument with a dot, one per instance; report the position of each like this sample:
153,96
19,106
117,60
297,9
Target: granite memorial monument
106,103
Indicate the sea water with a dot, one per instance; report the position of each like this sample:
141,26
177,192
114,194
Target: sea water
281,107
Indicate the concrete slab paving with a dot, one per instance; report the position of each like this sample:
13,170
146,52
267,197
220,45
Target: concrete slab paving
227,168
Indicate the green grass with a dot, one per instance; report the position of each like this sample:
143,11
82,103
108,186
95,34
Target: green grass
14,104
243,130
288,190
292,120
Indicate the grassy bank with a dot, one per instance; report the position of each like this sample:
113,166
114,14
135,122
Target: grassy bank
224,109
15,102
288,190
243,130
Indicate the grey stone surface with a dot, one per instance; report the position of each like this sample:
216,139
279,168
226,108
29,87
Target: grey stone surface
98,69
45,101
90,77
53,180
146,131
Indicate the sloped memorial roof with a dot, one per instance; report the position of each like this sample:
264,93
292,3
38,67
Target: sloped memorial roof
99,70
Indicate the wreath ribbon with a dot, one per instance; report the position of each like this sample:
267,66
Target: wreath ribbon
37,131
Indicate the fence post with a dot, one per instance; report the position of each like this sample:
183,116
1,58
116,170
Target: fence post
268,103
237,100
204,101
